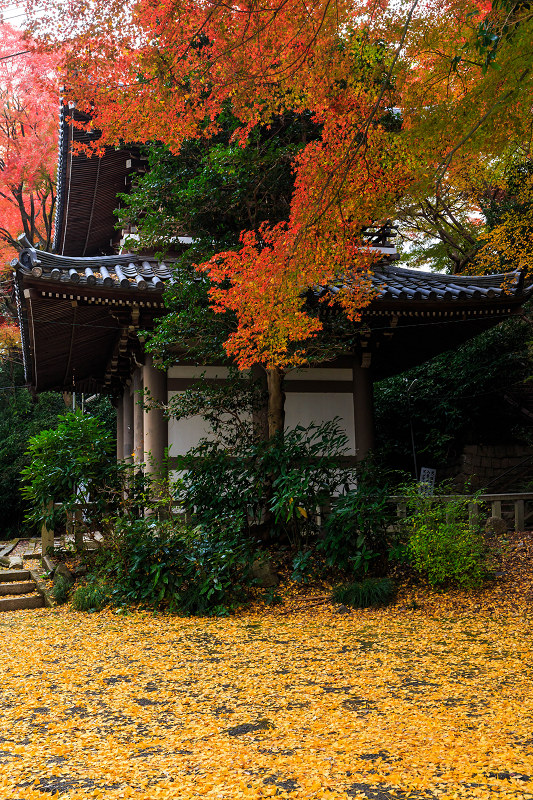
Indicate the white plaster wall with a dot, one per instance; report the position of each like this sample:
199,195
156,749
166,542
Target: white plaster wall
185,433
303,408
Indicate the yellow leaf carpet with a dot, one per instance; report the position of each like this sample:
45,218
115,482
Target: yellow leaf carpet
297,701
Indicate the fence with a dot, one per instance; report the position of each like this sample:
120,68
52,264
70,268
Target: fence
517,505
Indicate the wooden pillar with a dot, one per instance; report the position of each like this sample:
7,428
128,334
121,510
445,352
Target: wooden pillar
78,529
363,410
154,423
127,425
138,431
120,429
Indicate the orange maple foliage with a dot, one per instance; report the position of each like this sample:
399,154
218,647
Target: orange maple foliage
166,70
509,244
9,337
28,143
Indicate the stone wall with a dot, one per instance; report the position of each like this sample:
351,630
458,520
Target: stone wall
499,468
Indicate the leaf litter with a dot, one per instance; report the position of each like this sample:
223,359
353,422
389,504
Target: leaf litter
156,706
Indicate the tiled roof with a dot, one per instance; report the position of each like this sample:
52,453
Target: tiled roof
87,189
400,284
129,272
124,272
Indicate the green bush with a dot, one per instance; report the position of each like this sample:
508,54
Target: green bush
21,416
162,564
279,484
61,590
444,544
368,593
355,536
306,566
90,597
70,466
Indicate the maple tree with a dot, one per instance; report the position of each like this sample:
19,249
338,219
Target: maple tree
507,242
28,143
422,117
213,189
344,180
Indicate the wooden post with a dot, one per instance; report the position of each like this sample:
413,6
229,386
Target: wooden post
496,508
78,528
363,410
155,424
138,432
120,429
127,425
473,514
47,534
519,512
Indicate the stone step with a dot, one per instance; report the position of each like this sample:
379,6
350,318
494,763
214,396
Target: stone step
14,575
25,587
20,603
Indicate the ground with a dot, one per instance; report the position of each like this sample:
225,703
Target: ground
432,697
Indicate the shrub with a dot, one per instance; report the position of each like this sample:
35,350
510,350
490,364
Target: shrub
355,534
69,466
306,566
61,590
368,593
278,484
90,597
444,544
162,564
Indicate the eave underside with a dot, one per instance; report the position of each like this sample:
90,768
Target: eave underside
393,340
86,339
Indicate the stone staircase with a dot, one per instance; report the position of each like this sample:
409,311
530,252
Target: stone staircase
18,590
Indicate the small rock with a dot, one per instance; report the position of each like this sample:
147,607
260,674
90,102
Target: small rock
499,573
343,610
63,571
79,572
264,574
15,562
496,526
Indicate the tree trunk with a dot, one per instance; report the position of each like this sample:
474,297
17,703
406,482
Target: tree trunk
260,415
276,402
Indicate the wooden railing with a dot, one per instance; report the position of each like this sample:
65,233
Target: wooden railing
520,504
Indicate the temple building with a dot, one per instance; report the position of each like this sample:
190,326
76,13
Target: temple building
81,309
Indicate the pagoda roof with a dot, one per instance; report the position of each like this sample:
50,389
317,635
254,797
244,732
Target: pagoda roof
80,316
393,284
87,188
